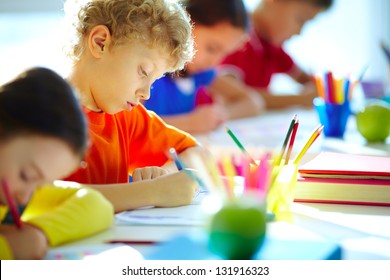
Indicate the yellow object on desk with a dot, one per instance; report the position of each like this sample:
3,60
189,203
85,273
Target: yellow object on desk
281,193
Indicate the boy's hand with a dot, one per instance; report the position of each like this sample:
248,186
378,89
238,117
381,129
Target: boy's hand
147,173
26,243
173,190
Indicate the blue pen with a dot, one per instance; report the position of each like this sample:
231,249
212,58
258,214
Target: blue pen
176,159
180,166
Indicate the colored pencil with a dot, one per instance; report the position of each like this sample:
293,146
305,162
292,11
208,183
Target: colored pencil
309,142
286,139
386,51
347,84
133,242
176,159
180,166
330,90
11,204
356,82
240,146
292,140
264,172
320,87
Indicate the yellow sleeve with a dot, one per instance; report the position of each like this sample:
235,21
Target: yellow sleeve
5,250
68,213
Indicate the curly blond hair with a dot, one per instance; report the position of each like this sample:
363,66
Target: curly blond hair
157,23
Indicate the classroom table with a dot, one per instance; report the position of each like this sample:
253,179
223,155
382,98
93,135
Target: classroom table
363,232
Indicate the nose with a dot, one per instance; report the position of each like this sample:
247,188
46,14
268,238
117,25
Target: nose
143,93
24,195
213,60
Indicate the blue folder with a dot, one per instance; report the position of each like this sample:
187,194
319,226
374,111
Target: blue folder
195,247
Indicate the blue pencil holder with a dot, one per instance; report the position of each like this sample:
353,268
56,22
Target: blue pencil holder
333,117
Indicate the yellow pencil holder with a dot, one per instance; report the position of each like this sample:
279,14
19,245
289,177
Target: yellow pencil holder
281,193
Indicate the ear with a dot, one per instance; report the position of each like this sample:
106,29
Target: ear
98,40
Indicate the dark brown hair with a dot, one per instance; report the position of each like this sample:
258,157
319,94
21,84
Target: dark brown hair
41,102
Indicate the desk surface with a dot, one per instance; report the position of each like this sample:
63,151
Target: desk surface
362,231
268,131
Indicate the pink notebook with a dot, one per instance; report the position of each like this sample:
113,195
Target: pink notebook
339,165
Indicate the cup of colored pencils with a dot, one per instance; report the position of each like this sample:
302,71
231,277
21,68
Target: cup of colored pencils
333,104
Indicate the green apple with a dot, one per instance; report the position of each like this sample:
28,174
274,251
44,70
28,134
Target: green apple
237,230
373,121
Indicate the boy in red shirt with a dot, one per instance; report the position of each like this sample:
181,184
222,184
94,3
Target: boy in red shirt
274,22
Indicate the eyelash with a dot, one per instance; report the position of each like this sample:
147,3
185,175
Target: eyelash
143,72
23,176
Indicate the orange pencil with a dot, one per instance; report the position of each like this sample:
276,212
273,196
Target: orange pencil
320,87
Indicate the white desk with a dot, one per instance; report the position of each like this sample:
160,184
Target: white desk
268,131
362,231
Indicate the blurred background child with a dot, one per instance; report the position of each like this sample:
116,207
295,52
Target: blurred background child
43,137
274,22
195,99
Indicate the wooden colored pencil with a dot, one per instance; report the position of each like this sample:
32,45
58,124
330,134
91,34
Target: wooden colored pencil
240,146
13,208
291,143
180,166
386,50
309,142
286,139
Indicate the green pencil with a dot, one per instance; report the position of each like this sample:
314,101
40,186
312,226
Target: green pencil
240,145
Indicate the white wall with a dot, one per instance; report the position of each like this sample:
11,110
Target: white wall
343,39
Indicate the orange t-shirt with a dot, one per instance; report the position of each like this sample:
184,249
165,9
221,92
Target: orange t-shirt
124,141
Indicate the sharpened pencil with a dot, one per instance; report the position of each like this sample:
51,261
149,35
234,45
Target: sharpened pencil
292,140
286,139
240,146
309,142
11,204
180,166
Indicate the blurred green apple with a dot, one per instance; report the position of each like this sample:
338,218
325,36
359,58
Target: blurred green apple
237,230
373,121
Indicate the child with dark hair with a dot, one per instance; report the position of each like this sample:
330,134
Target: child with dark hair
196,99
274,22
43,137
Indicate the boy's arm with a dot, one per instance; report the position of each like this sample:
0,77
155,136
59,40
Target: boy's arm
202,119
303,98
170,190
299,75
281,101
239,100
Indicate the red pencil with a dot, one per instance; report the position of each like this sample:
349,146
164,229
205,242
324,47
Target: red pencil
133,242
11,204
